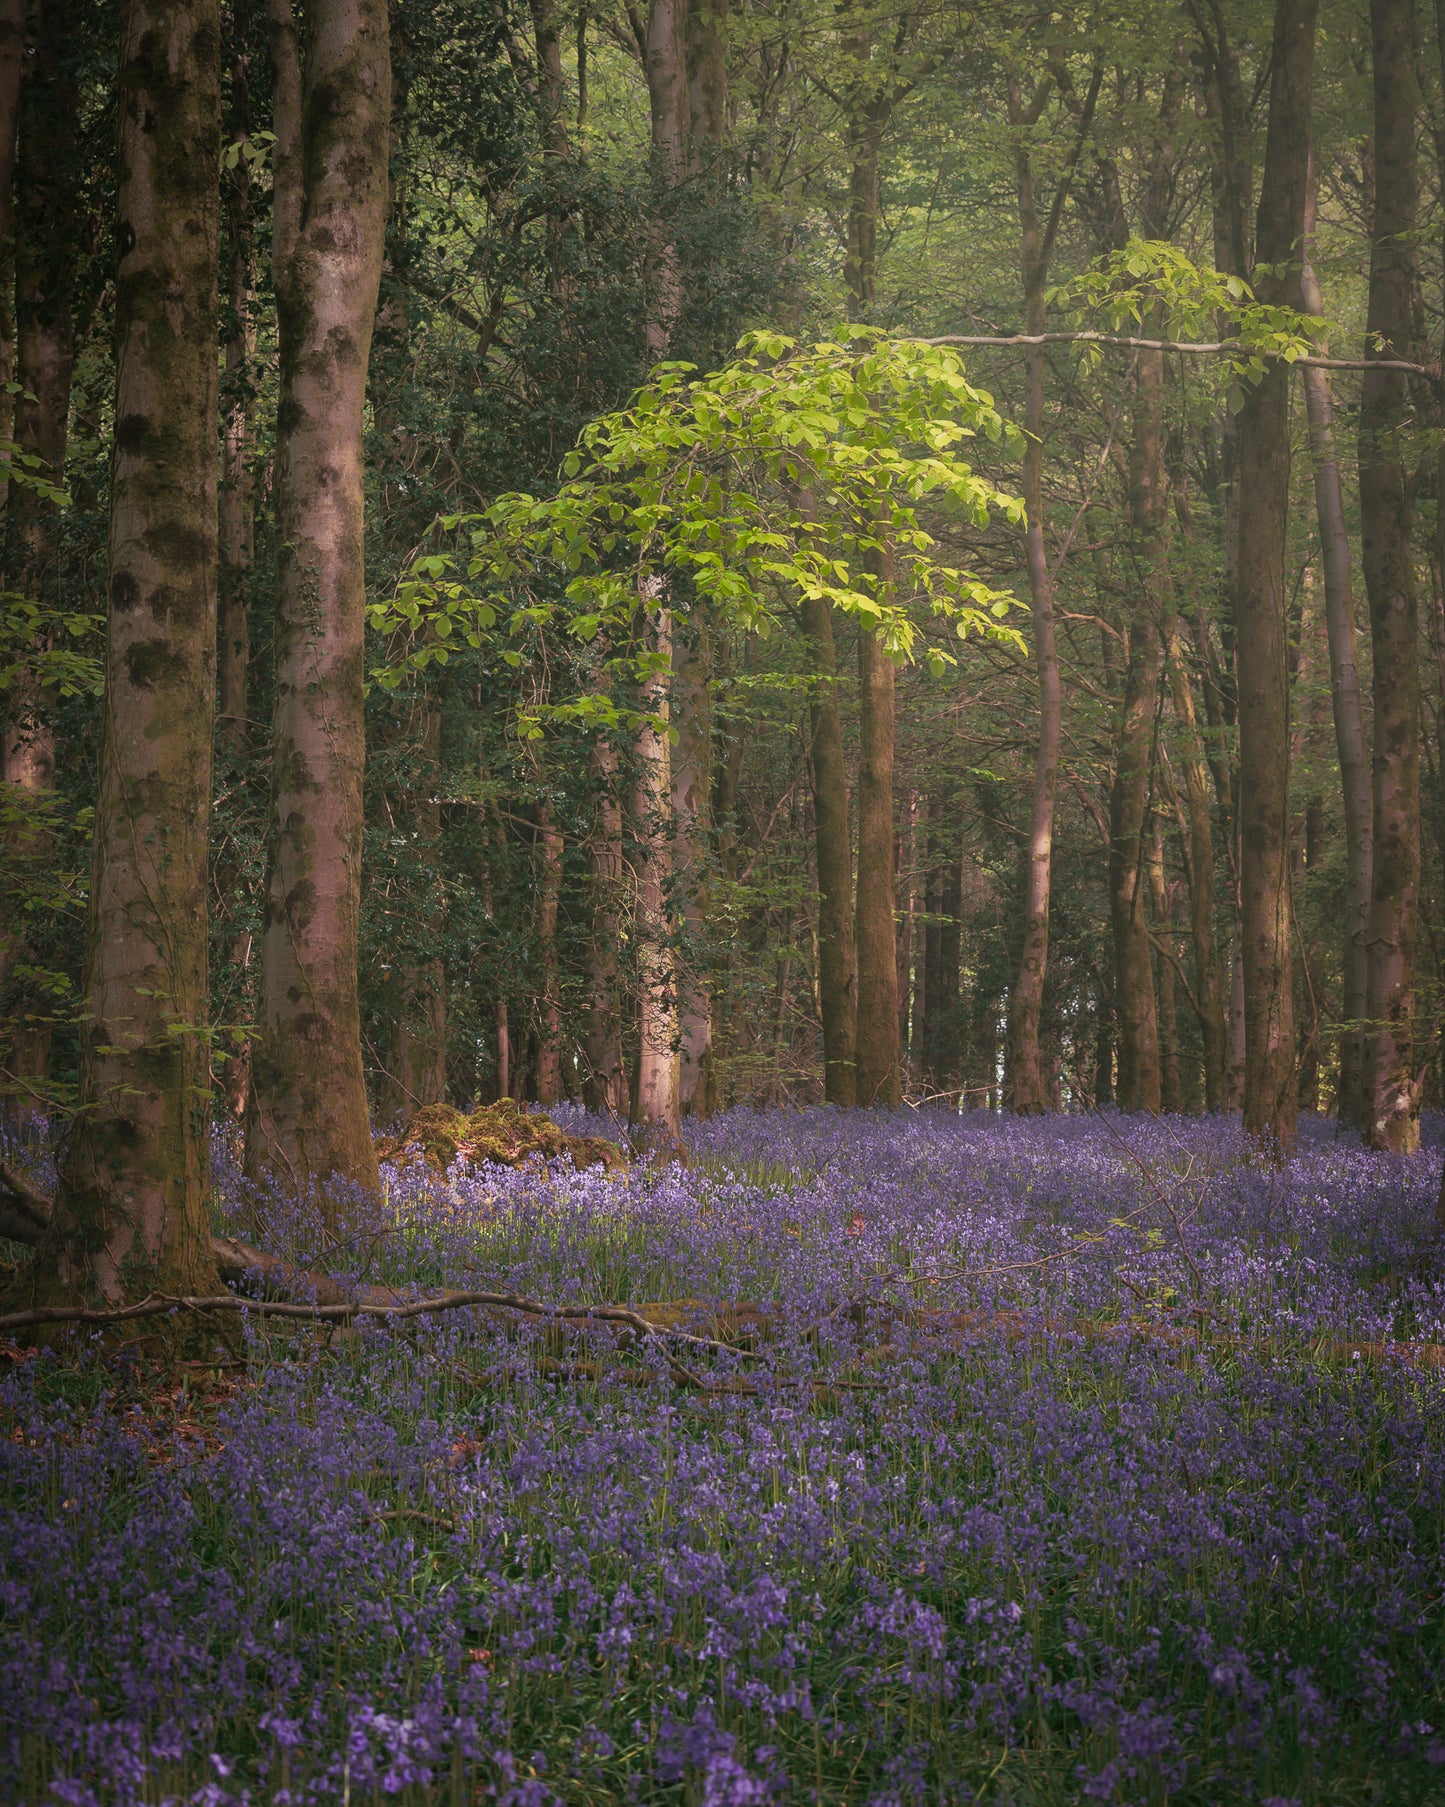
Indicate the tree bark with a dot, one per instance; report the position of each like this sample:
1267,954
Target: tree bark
1348,713
707,84
1026,1081
46,249
605,1086
1171,1091
549,1004
233,643
1199,832
1139,1079
837,997
1389,571
1270,1102
657,1072
691,811
417,1059
12,57
308,1116
879,1079
131,1215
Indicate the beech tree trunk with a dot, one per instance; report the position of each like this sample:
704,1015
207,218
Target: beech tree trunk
1171,1091
879,1078
417,1059
1389,570
46,225
1348,715
308,1117
657,1069
549,1003
12,56
1027,1083
837,997
1139,1081
131,1215
1270,1101
233,642
1199,842
691,813
707,83
604,1087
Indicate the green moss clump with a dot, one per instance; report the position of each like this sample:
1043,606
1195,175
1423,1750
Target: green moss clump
501,1132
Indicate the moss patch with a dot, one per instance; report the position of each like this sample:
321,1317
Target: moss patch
501,1132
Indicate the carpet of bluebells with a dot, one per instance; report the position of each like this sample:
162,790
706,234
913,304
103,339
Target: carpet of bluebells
1080,1459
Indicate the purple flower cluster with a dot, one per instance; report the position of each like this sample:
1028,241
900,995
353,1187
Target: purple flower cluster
1061,1475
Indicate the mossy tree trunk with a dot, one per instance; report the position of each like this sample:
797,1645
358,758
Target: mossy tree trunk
1271,1106
47,225
131,1215
237,544
308,1117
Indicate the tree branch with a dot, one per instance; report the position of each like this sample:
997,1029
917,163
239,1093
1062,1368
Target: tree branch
1193,348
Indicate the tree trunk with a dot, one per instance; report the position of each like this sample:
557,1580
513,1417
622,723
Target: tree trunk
905,904
1026,1081
1389,570
657,1072
1348,714
549,1004
879,1079
1208,977
417,1059
233,644
665,65
950,997
1270,1101
1138,1027
131,1216
46,249
836,974
691,812
12,58
707,83
308,1117
604,1087
1171,1092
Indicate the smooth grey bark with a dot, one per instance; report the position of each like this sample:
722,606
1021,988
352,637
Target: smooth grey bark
880,1079
837,974
1271,1105
1388,563
308,1118
658,1100
1347,708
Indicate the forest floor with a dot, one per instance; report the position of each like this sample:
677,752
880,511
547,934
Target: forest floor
1066,1460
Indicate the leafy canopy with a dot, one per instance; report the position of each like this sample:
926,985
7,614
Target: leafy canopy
780,477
